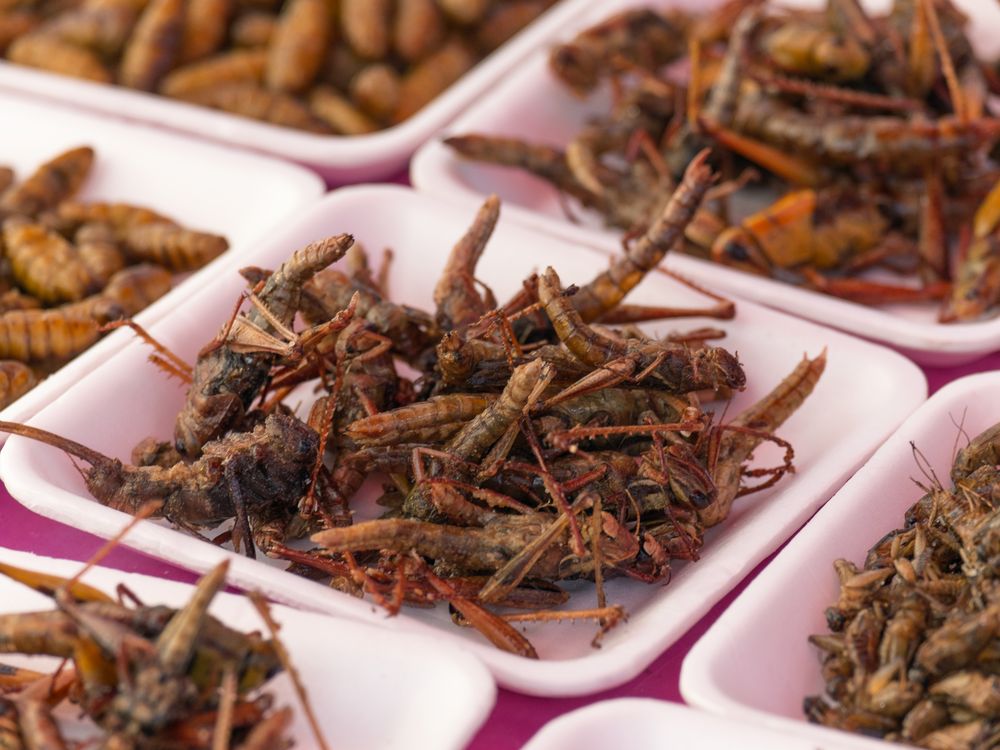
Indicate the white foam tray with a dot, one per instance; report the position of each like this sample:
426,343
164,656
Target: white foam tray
204,186
338,158
646,724
866,387
355,675
532,104
764,632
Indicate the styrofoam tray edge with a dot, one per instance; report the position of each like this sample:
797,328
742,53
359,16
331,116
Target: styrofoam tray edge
698,687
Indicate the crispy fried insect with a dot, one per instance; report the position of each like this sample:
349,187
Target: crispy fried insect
749,429
225,381
813,49
295,52
172,247
455,295
418,29
101,27
434,420
375,89
410,330
238,66
16,379
154,45
14,24
38,335
609,288
431,76
339,113
120,216
641,37
366,26
135,288
505,20
50,184
204,32
43,263
921,619
253,29
231,479
258,103
56,56
15,299
466,12
672,366
98,250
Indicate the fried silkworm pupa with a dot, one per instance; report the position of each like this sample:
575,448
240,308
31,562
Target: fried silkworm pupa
465,12
237,66
432,76
339,113
103,28
98,250
340,66
50,184
417,30
16,379
152,49
172,247
252,30
15,299
295,54
15,24
39,335
365,25
120,216
137,287
56,56
258,103
43,263
204,30
375,89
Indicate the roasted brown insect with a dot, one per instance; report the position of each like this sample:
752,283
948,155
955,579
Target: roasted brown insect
911,658
154,45
43,263
238,66
53,182
295,51
226,379
56,56
873,131
204,33
146,676
563,450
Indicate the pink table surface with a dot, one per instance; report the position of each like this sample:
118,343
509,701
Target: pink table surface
515,718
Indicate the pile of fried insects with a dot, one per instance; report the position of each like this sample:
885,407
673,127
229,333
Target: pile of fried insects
68,268
144,677
913,655
536,445
869,140
321,66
